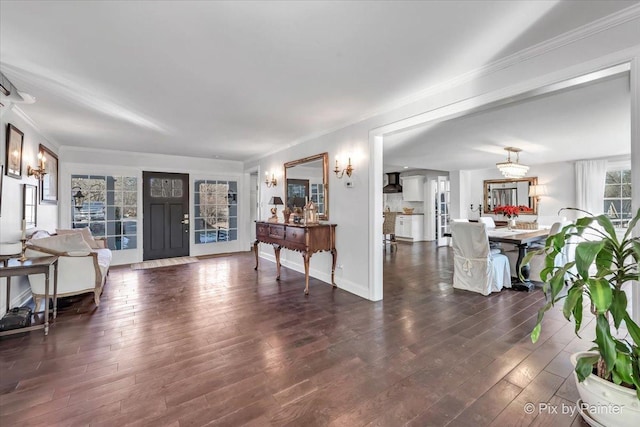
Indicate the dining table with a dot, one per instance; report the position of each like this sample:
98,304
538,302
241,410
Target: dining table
522,239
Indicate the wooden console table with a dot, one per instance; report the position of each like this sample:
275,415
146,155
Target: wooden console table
307,239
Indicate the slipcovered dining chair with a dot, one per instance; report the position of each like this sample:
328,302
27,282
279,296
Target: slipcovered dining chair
476,269
389,229
488,221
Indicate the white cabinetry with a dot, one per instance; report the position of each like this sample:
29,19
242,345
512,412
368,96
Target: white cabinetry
410,227
413,188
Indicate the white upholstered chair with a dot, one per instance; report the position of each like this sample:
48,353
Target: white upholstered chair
488,221
476,269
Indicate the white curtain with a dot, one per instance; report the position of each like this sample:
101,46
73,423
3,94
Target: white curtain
590,179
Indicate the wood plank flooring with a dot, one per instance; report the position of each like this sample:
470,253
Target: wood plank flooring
217,343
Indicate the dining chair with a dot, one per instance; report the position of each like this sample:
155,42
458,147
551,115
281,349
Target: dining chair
475,268
488,221
389,230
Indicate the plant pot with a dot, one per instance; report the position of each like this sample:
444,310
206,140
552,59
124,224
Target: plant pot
604,402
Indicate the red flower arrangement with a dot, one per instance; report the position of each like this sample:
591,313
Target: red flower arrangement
511,211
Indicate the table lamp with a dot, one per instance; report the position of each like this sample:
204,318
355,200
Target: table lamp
275,201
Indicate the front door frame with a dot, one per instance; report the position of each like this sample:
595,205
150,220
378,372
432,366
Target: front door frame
146,215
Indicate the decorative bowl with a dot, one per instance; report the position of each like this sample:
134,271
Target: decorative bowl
408,211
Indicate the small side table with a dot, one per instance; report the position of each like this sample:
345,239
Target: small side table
10,267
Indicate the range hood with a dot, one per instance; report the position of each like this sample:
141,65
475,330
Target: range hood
394,184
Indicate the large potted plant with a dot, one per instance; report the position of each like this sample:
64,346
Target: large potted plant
608,377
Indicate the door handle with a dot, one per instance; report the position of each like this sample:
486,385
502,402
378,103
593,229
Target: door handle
185,221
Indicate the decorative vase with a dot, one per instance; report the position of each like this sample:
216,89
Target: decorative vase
604,402
511,223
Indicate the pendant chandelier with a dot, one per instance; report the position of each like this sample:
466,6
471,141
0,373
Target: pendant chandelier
512,169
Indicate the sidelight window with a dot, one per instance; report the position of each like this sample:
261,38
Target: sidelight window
216,211
109,208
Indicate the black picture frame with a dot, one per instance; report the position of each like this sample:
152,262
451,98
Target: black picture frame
15,140
30,205
49,182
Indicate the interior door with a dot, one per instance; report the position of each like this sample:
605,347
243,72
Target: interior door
165,210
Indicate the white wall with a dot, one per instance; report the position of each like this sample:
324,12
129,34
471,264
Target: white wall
357,211
558,177
107,162
11,214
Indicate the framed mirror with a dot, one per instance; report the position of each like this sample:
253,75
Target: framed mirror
308,178
501,192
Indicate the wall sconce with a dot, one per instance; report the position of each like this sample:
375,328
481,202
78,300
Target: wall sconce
273,182
78,198
348,170
42,167
478,209
537,190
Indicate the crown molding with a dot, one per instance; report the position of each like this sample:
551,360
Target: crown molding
24,116
571,36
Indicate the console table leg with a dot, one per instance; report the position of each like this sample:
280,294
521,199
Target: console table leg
306,256
46,303
255,251
334,255
276,249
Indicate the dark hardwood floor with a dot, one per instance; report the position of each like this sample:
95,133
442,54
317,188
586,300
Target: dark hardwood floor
217,343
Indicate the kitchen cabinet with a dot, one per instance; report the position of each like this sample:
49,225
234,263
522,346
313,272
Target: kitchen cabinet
413,188
410,227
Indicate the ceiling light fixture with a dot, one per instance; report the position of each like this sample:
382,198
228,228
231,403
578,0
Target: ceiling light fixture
512,169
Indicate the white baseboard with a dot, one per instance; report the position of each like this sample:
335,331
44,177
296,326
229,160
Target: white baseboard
323,275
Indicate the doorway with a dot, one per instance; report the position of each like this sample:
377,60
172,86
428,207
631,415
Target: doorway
165,209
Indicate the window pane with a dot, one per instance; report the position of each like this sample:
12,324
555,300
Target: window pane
626,190
626,175
102,209
612,191
612,208
613,177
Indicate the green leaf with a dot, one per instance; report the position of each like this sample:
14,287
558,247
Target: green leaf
584,366
535,334
632,225
618,307
570,303
601,294
585,254
633,328
577,315
605,222
623,368
605,341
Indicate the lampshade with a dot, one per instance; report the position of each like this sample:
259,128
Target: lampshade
512,169
276,201
537,190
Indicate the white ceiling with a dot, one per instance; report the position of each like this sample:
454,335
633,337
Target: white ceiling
590,121
236,80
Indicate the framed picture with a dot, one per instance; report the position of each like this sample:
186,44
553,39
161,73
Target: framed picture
49,182
14,151
29,204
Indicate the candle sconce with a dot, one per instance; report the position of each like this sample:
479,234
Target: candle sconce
340,173
478,209
41,170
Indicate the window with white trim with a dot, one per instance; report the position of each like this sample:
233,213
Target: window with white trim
617,197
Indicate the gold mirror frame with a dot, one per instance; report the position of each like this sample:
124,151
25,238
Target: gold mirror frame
325,179
533,203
